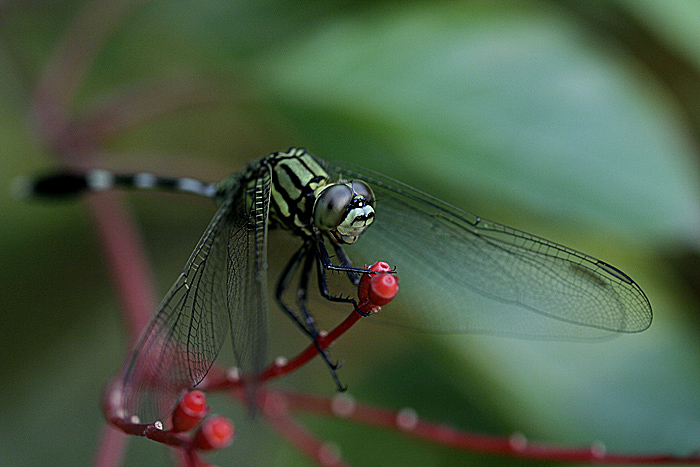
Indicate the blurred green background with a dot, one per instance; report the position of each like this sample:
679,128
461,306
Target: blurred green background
576,121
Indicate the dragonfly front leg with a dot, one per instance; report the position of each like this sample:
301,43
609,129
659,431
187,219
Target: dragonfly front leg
345,263
324,264
304,320
323,281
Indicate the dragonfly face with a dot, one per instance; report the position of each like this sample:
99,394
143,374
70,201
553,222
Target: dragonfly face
344,210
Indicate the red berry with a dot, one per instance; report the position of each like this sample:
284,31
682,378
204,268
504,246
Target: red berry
215,433
383,288
190,411
195,401
380,266
363,289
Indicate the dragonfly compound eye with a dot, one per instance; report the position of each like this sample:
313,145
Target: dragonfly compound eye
362,190
331,206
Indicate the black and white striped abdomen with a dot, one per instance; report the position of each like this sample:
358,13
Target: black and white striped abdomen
64,184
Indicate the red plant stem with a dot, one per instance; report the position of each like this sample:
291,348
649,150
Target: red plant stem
190,458
302,439
324,340
70,63
217,380
137,104
111,447
125,257
111,406
454,438
151,431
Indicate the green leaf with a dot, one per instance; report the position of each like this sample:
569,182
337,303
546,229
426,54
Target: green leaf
527,112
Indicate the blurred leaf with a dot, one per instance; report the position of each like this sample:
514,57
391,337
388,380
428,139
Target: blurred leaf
532,113
675,21
527,111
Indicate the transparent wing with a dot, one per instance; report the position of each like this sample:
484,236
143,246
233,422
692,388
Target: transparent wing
220,289
247,280
460,273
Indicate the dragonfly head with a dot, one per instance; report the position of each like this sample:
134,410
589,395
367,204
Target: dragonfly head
344,209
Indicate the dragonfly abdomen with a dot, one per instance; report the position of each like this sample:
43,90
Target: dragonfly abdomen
64,184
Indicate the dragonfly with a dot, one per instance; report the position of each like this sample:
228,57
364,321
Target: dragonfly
460,273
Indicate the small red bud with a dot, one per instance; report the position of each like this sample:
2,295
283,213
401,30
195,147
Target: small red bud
190,411
380,266
363,288
383,288
215,433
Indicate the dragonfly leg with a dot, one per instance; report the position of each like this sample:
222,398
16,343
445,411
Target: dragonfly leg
289,270
345,266
345,263
302,296
303,291
325,293
305,322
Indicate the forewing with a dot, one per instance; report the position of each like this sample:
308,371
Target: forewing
460,273
185,335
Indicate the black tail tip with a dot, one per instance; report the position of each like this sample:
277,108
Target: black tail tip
52,186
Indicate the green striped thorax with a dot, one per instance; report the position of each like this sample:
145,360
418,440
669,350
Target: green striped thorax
304,198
